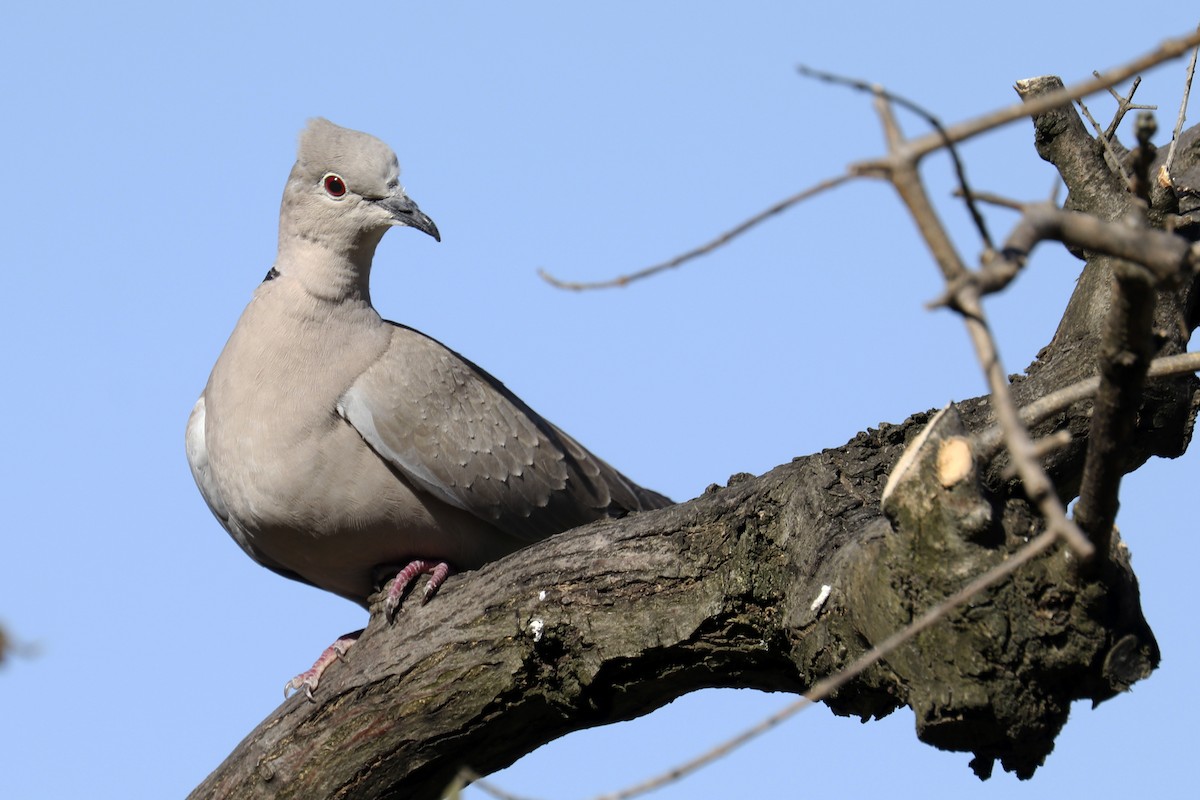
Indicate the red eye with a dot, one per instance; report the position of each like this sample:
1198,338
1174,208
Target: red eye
334,185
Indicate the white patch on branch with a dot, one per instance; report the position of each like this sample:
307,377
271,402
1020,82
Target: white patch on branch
821,598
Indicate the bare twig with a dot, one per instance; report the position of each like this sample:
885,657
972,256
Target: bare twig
903,176
1105,141
960,171
1187,89
1166,260
919,147
989,441
1125,104
469,777
998,200
1037,485
737,230
1041,448
1163,367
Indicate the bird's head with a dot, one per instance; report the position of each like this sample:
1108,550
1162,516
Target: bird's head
345,189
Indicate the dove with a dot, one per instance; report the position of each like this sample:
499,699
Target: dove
355,454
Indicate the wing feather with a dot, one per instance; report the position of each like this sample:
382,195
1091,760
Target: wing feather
456,432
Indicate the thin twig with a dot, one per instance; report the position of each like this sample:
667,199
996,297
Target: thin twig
1021,450
1187,89
469,777
921,146
737,230
989,441
998,200
1113,159
1041,448
960,171
1125,104
905,179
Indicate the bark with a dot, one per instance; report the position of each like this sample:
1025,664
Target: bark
613,620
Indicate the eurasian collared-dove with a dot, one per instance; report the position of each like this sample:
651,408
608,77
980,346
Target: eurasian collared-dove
340,449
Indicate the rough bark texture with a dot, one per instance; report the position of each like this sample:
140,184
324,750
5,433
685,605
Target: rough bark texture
616,619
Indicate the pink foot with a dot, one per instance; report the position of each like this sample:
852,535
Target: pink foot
437,571
309,679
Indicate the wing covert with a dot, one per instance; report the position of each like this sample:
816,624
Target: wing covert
456,432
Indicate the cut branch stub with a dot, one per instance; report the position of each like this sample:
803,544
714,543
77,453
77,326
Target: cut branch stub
935,484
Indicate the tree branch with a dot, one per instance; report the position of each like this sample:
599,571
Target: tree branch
707,247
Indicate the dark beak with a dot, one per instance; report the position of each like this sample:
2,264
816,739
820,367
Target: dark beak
405,212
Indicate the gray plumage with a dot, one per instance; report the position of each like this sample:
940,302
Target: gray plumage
335,446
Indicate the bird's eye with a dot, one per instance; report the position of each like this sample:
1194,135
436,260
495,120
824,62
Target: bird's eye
334,185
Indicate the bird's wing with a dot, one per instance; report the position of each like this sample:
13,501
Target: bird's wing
457,433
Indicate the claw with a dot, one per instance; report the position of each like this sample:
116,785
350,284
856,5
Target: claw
309,679
437,571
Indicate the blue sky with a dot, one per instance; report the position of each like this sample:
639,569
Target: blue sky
147,148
